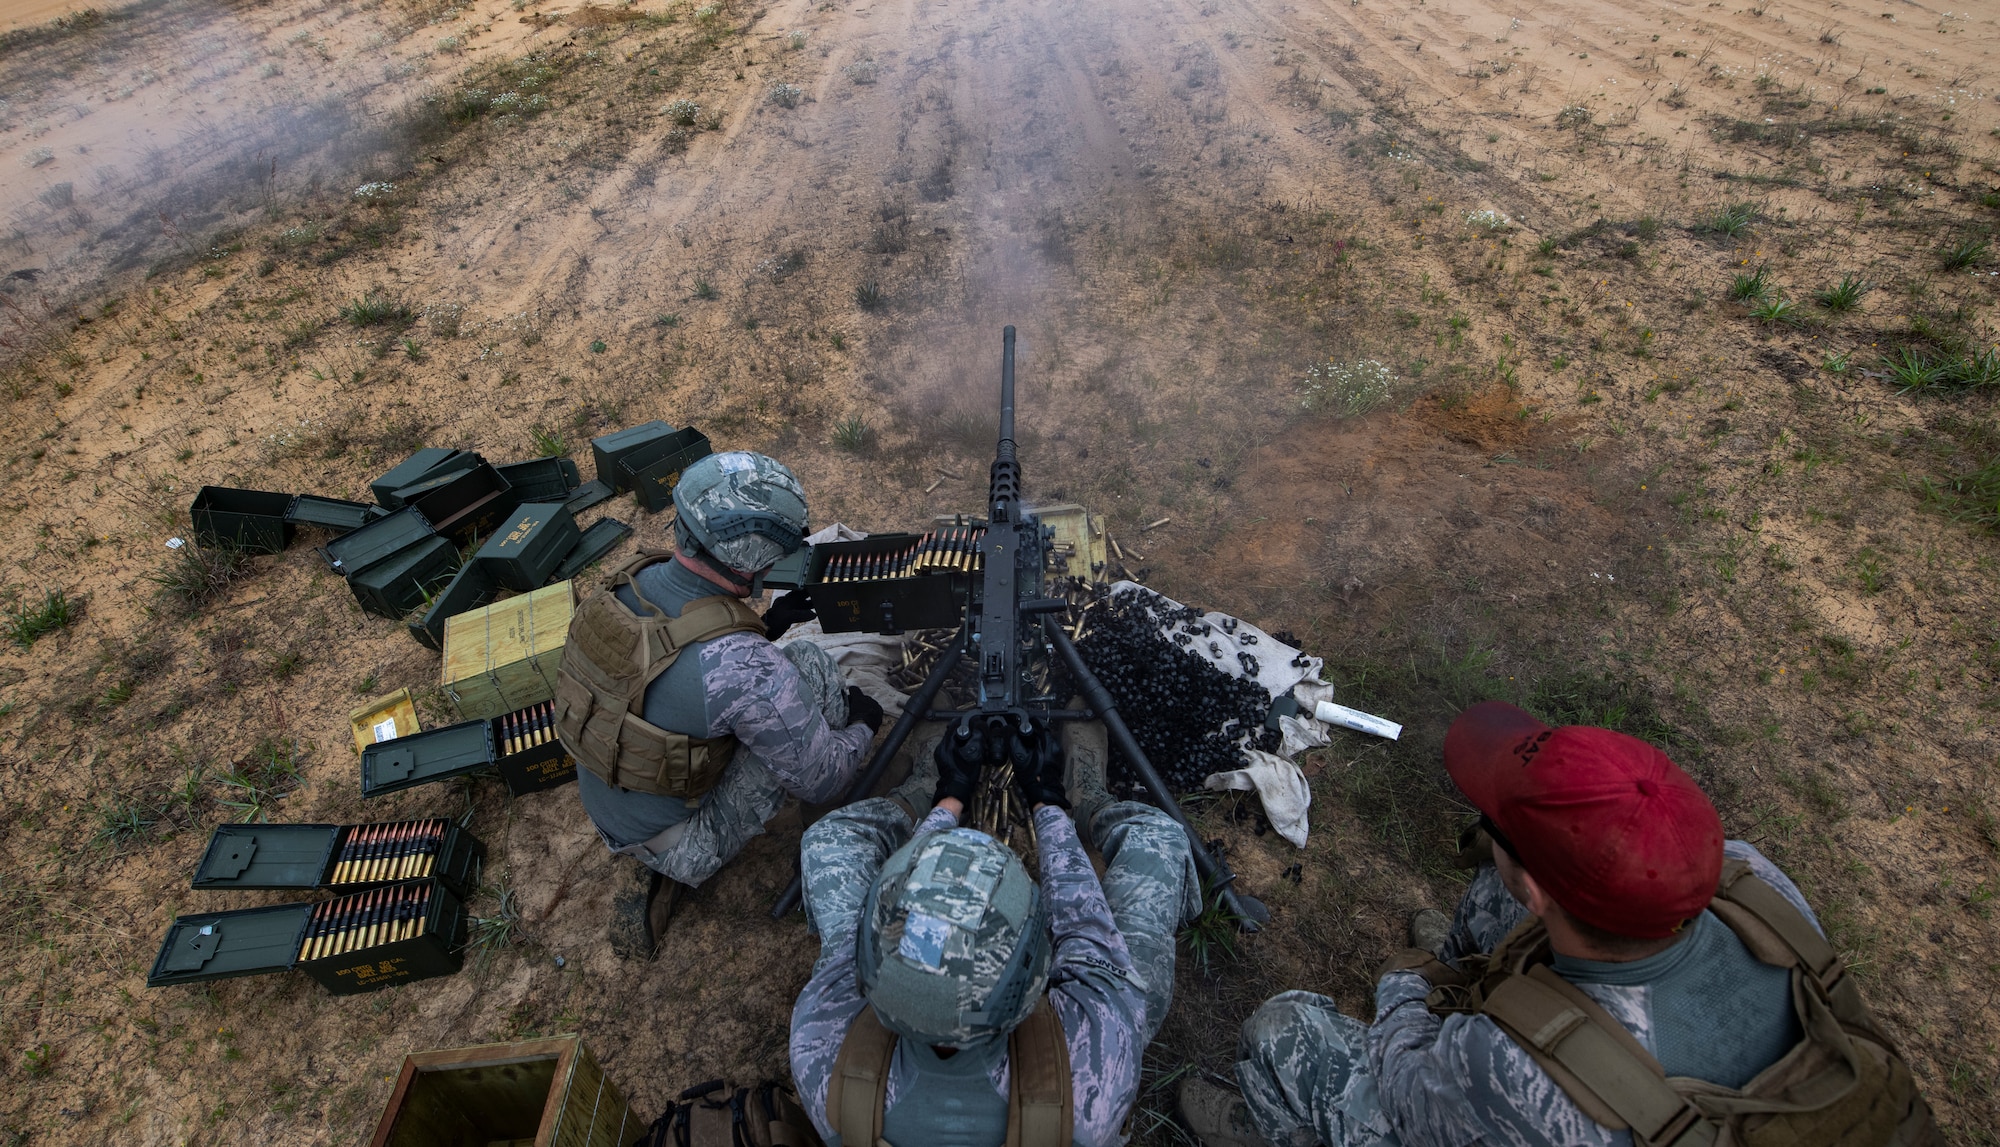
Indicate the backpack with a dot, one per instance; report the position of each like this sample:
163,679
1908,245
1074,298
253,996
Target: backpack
716,1114
1041,1100
611,656
1842,1085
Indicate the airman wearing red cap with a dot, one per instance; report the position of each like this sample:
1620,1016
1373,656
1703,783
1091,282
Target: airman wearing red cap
1617,974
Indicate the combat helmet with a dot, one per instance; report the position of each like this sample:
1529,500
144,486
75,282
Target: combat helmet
953,947
743,509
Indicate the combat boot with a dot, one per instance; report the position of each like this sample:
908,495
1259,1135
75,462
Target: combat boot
1217,1116
642,902
1428,929
1085,755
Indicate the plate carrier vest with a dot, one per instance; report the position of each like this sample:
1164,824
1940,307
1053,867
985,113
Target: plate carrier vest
1842,1085
1041,1101
612,655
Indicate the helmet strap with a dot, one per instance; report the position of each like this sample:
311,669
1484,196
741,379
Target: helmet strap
715,574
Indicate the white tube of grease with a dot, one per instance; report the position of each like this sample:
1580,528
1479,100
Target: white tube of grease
1356,720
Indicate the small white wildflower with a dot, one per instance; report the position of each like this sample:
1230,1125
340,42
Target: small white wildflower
380,189
786,95
1347,389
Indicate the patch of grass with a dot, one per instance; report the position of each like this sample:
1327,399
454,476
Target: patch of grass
25,624
1777,310
193,575
852,434
870,297
1751,286
378,310
120,821
548,443
38,1062
703,289
1972,496
489,934
667,321
1843,296
1211,937
1733,220
268,775
1963,255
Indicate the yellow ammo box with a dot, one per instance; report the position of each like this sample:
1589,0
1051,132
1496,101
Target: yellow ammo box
503,657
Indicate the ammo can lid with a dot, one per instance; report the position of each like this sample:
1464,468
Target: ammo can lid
390,766
219,945
355,551
266,856
414,468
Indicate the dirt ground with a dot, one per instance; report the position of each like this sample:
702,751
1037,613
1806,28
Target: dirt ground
1415,322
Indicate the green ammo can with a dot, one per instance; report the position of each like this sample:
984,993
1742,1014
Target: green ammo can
527,547
425,463
542,479
400,583
616,447
250,520
355,551
652,473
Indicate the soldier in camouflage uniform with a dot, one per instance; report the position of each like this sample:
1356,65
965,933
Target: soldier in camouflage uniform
1104,953
798,729
1701,1004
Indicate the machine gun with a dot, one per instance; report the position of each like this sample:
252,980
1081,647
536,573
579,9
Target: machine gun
1010,630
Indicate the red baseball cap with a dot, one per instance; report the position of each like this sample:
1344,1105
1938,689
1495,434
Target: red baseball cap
1612,829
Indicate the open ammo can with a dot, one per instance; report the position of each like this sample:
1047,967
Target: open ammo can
521,745
528,546
387,935
652,472
542,479
380,539
888,583
343,857
471,587
400,583
249,520
462,504
609,451
428,462
545,1093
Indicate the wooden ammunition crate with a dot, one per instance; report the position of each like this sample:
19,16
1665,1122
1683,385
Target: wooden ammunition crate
548,1092
504,656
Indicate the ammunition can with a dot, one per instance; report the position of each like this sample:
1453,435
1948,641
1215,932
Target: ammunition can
428,462
614,448
400,583
530,760
597,541
529,545
471,587
251,520
286,856
379,540
430,943
542,479
463,504
329,513
882,600
652,472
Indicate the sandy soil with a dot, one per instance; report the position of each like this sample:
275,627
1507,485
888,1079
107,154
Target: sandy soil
1590,460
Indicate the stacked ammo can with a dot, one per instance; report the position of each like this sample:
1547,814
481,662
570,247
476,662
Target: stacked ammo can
401,916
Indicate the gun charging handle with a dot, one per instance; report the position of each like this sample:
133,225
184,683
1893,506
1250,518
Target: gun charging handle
1250,912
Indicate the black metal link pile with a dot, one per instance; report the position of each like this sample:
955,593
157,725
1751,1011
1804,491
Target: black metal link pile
1186,715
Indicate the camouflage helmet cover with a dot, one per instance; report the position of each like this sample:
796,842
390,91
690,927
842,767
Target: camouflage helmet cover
953,948
745,509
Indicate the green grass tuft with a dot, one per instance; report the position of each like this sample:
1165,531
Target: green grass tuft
1965,254
1734,219
1752,286
870,297
26,623
1843,296
193,575
1777,310
852,434
378,310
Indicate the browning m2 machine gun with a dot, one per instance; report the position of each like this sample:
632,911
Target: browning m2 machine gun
988,579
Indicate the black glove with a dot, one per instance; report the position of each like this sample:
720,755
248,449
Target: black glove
788,610
960,755
1038,766
863,708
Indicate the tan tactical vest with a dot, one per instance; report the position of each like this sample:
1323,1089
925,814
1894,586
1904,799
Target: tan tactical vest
1041,1101
1842,1085
612,655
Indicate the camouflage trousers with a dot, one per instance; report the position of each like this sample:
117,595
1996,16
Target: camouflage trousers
1149,880
747,796
1303,1066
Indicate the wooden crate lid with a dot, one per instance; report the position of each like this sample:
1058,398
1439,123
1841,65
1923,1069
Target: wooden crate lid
477,641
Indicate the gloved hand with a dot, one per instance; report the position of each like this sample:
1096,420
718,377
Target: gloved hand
1038,766
863,708
960,755
786,611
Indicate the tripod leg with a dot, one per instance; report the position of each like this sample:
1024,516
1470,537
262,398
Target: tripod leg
1214,870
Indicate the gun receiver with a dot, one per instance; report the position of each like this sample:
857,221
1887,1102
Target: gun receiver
1013,653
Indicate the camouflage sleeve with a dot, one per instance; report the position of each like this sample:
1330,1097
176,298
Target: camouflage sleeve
1459,1080
1769,873
1092,985
755,693
838,861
